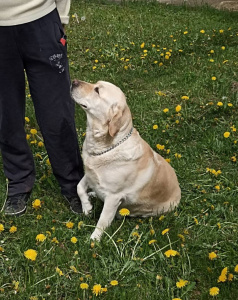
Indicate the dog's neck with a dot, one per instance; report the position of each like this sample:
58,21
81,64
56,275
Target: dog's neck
98,140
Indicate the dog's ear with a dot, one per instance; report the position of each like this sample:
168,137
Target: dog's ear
115,121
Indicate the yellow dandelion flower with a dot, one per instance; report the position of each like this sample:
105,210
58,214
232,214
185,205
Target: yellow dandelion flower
168,160
196,221
223,276
185,98
219,103
152,242
176,299
161,217
165,110
97,289
155,126
30,254
124,212
54,240
214,291
178,108
69,225
202,31
13,229
36,204
80,223
38,156
74,240
230,277
33,131
40,144
181,237
40,237
135,233
27,119
214,78
73,269
223,48
114,282
170,253
160,147
230,104
59,271
152,232
165,231
177,155
181,283
1,227
221,30
84,286
226,134
212,255
236,269
142,45
16,285
1,249
185,231
39,217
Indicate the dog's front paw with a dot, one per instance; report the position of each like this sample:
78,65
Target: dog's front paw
96,235
87,208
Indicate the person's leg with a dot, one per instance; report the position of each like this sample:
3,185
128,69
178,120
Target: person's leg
17,158
48,76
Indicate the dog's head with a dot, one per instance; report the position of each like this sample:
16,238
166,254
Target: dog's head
102,101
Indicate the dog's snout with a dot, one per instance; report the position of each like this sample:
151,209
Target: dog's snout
75,83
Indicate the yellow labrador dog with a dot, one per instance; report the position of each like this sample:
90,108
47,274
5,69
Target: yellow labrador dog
120,167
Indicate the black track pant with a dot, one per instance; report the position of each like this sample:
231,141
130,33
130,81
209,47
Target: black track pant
36,48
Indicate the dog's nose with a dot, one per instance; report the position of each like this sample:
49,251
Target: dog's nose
75,83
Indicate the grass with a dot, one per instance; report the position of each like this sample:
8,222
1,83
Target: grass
156,54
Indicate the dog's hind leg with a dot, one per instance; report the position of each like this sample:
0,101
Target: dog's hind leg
82,193
111,204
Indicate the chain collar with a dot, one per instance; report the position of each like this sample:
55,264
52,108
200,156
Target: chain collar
114,146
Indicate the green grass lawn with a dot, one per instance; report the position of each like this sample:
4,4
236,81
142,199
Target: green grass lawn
178,67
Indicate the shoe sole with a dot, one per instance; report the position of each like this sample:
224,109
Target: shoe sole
16,214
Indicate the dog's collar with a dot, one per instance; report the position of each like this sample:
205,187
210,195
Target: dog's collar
114,146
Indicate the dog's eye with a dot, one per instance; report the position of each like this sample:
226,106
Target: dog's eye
96,90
